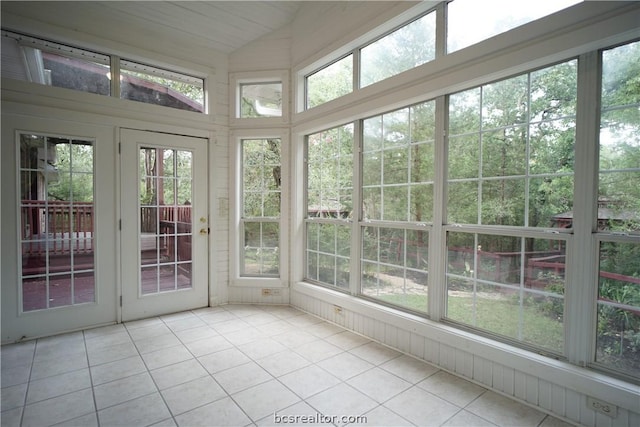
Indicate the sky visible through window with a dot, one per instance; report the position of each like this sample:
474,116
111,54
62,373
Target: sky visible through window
491,17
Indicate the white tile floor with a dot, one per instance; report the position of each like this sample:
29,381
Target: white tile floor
237,365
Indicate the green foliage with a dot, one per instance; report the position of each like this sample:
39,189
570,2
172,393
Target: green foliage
330,83
74,163
406,48
619,307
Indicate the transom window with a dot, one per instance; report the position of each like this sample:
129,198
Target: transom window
413,44
497,16
261,100
53,64
408,47
153,85
329,83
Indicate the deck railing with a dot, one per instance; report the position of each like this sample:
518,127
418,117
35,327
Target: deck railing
63,227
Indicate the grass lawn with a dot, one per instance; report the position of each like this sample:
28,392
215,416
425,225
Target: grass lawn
499,315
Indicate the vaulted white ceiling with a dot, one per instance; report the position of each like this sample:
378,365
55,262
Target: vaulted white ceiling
222,26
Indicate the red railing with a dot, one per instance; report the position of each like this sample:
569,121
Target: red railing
66,227
152,217
61,226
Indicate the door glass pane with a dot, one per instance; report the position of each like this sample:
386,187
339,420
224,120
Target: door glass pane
57,219
165,196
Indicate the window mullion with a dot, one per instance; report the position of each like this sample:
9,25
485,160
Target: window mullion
437,237
115,76
356,68
356,229
441,29
581,289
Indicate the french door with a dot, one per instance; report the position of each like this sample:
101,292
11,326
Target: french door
58,222
165,226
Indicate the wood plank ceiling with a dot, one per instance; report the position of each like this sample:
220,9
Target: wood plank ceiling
221,26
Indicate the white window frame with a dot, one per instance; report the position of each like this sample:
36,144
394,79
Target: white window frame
353,46
517,51
235,215
113,100
237,80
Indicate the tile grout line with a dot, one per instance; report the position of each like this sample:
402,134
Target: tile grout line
93,392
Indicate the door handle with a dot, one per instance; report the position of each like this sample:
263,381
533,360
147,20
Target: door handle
204,231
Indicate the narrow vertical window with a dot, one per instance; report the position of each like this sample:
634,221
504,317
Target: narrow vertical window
261,202
618,328
57,221
329,206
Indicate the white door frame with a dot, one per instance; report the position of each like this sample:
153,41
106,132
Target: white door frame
135,305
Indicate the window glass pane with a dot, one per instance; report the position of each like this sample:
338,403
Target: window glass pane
261,198
398,174
496,16
52,64
394,266
619,189
619,307
261,254
329,173
261,100
511,150
57,214
404,49
398,163
330,82
508,286
153,85
329,186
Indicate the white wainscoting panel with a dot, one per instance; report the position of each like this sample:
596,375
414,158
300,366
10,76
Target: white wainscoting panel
556,399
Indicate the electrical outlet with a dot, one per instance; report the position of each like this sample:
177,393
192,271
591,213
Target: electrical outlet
266,292
270,292
337,310
602,407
